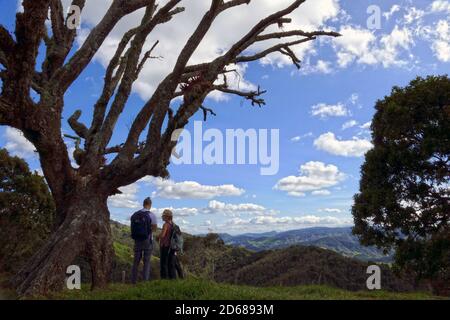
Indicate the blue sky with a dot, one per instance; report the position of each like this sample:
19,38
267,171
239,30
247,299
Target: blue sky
322,111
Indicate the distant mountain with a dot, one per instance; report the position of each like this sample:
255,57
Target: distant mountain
303,265
339,240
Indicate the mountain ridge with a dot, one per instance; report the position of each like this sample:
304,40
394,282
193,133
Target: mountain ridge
337,239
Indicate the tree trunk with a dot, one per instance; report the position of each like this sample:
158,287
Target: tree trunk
85,231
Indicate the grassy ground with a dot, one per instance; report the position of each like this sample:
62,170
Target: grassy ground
194,289
5,294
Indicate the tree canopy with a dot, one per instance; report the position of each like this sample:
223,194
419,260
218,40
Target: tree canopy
404,195
26,211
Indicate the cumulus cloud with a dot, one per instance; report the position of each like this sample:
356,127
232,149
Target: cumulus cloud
349,124
441,43
320,67
440,6
312,15
348,148
321,193
361,46
169,189
127,199
323,110
17,144
215,207
314,176
177,212
284,223
366,125
331,210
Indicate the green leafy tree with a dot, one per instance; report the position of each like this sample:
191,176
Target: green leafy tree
403,203
26,212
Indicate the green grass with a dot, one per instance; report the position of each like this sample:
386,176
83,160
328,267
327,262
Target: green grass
123,253
195,289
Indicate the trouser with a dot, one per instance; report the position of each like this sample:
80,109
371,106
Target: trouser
142,251
167,261
179,268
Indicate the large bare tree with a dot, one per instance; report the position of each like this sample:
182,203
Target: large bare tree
81,193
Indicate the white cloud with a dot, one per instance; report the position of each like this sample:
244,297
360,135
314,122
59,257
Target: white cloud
127,199
349,124
324,111
354,98
314,176
217,207
441,43
283,223
355,45
388,54
366,125
311,15
361,46
17,144
440,6
395,8
413,15
177,212
442,50
331,210
170,189
321,67
347,148
299,138
321,193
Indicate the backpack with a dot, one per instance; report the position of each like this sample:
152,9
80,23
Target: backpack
176,240
139,226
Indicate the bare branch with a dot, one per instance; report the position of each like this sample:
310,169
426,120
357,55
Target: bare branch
206,111
233,3
145,58
249,38
80,129
111,81
158,105
149,22
119,8
57,19
284,34
253,96
61,43
275,48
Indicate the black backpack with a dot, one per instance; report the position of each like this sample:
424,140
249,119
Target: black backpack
140,226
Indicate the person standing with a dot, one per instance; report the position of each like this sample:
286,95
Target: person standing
143,224
167,255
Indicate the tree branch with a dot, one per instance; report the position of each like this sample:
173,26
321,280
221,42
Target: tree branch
80,129
7,45
119,8
61,43
149,22
253,96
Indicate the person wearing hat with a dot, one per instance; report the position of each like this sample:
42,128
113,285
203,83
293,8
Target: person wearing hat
167,256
